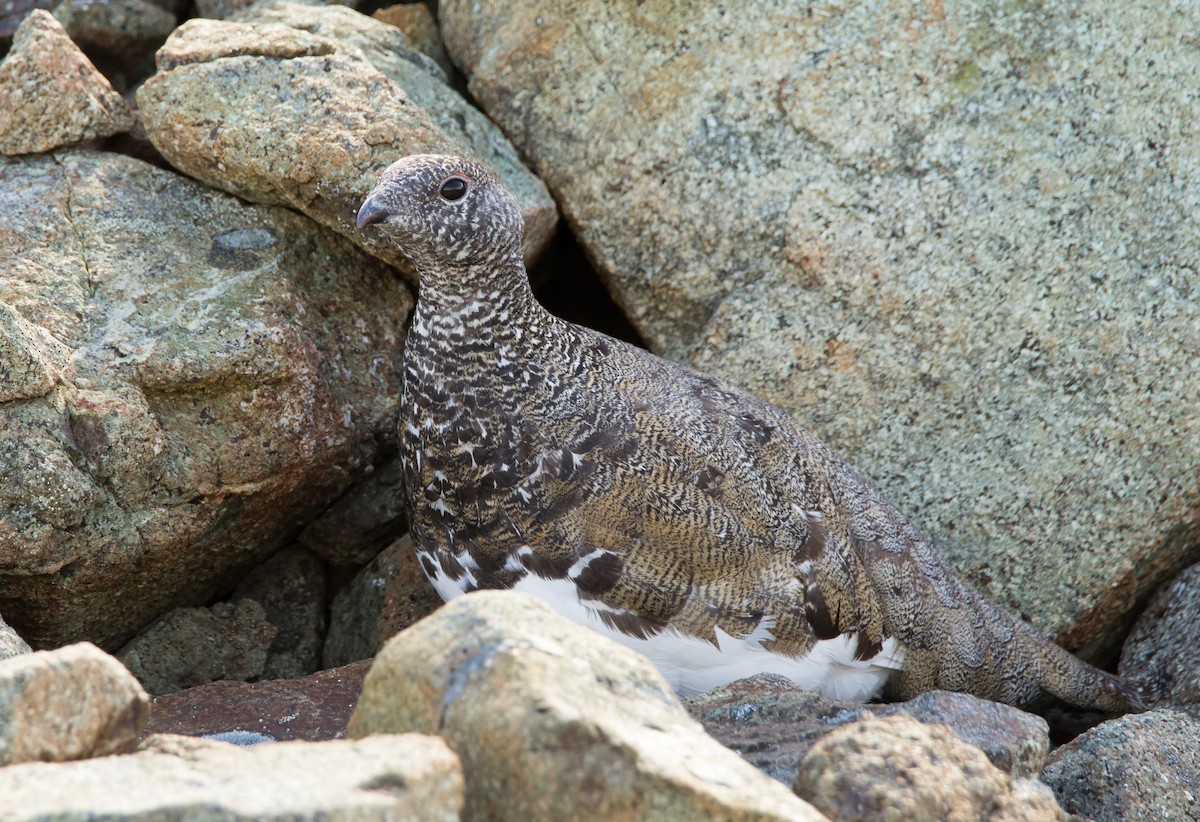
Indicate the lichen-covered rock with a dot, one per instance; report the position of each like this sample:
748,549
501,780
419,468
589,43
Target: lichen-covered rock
405,778
312,708
384,598
907,224
71,703
1163,648
11,643
51,94
228,370
363,521
192,646
896,769
553,721
1137,768
291,588
115,25
418,25
773,723
277,115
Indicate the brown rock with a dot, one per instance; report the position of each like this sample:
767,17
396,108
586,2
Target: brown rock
192,646
291,588
232,369
1163,649
898,221
13,12
418,25
72,703
1137,768
387,596
773,724
382,779
51,93
313,708
897,769
553,721
277,115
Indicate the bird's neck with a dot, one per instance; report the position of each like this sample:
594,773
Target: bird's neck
493,301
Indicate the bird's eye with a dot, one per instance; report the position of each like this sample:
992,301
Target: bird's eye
453,189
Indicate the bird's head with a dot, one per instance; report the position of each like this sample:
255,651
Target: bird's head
445,212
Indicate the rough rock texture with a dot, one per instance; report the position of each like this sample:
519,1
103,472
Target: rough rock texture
13,12
394,778
11,643
218,372
71,703
957,239
418,25
115,25
383,599
553,721
51,94
896,769
311,708
773,724
192,646
291,588
361,522
332,122
1138,767
1164,646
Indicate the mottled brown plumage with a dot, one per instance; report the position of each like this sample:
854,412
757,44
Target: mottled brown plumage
538,451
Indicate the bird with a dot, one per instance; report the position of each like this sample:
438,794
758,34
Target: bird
671,511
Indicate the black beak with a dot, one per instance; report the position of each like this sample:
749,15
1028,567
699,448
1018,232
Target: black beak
372,211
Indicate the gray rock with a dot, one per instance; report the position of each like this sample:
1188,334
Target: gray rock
51,93
192,646
72,703
115,25
1163,648
773,724
228,371
394,778
11,643
553,721
908,225
383,599
418,25
364,520
291,588
12,12
1140,767
895,768
307,121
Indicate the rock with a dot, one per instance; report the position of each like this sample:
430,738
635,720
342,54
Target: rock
773,724
1137,767
312,708
1162,648
192,646
115,25
553,721
291,589
897,768
72,703
334,121
225,9
398,778
387,596
13,12
30,359
52,94
11,643
231,370
900,222
418,25
361,522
